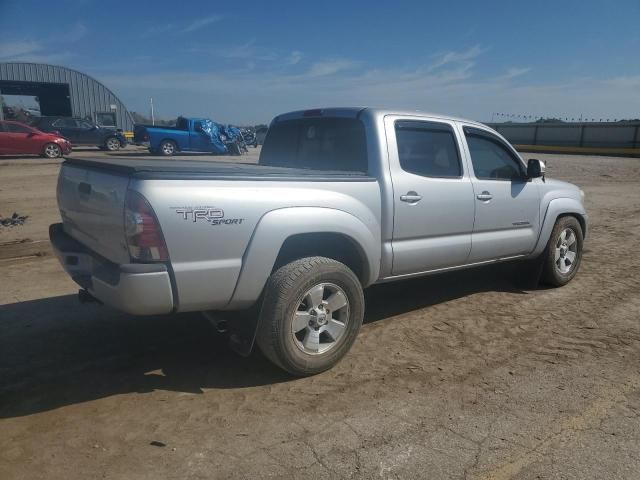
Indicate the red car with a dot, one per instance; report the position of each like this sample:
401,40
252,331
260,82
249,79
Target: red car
17,138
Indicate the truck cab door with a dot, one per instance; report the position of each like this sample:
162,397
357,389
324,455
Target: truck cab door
433,197
87,133
68,129
507,204
198,140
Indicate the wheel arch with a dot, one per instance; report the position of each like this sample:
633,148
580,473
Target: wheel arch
288,234
335,245
557,208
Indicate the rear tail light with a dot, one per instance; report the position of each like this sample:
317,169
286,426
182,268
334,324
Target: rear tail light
144,236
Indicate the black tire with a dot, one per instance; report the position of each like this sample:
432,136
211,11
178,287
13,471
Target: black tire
112,144
552,273
167,148
284,291
51,150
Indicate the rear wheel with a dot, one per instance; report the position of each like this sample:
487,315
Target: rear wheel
112,144
564,252
51,150
167,147
311,314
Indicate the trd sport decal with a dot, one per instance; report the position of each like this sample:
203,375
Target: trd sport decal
211,215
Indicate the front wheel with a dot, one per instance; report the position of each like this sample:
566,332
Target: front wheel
564,252
311,314
51,150
112,144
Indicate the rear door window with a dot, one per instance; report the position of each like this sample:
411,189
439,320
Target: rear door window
428,149
316,143
16,128
64,123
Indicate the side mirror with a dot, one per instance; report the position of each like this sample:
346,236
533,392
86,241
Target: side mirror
535,168
31,134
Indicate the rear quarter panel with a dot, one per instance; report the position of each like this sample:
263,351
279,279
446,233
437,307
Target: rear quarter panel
207,254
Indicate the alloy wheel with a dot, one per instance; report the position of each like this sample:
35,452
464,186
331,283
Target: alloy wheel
320,319
566,251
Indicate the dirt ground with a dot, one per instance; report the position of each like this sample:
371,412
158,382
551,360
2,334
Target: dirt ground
457,376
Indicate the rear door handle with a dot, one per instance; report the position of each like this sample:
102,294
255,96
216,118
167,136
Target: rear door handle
411,197
484,196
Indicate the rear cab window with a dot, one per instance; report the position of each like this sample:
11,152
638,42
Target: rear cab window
319,143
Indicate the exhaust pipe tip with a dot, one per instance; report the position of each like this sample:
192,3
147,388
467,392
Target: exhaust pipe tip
220,325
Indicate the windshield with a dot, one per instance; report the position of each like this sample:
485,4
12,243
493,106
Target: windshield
316,143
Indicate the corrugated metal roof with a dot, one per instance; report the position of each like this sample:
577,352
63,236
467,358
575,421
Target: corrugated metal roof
87,95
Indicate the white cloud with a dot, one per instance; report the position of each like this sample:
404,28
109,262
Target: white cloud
466,57
449,85
77,32
201,23
513,72
11,50
247,51
31,51
330,67
294,57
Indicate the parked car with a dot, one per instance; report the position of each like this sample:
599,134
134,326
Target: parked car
82,132
341,199
20,139
189,135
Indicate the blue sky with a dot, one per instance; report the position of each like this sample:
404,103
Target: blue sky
245,62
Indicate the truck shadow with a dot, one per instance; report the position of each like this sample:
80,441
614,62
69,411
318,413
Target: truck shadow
55,352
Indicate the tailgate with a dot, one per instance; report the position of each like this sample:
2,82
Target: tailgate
91,205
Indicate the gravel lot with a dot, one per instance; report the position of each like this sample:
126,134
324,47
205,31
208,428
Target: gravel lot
457,376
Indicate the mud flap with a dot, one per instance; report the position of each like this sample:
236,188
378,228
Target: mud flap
529,272
242,333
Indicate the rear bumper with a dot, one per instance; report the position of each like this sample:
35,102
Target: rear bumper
136,288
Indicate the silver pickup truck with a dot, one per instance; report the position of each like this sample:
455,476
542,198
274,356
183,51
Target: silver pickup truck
341,198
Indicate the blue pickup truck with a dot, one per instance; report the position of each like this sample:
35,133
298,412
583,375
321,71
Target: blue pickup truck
190,135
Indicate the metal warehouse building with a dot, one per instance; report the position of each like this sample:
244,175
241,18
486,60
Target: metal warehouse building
64,92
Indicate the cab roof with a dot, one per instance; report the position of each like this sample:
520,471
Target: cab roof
354,112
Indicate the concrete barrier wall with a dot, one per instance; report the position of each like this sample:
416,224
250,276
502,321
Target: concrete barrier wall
590,137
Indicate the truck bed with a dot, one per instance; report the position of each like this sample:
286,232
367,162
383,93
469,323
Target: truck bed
202,169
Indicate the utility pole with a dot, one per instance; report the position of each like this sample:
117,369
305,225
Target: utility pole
153,118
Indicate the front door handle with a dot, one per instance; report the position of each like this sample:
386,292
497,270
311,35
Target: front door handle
484,196
411,197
